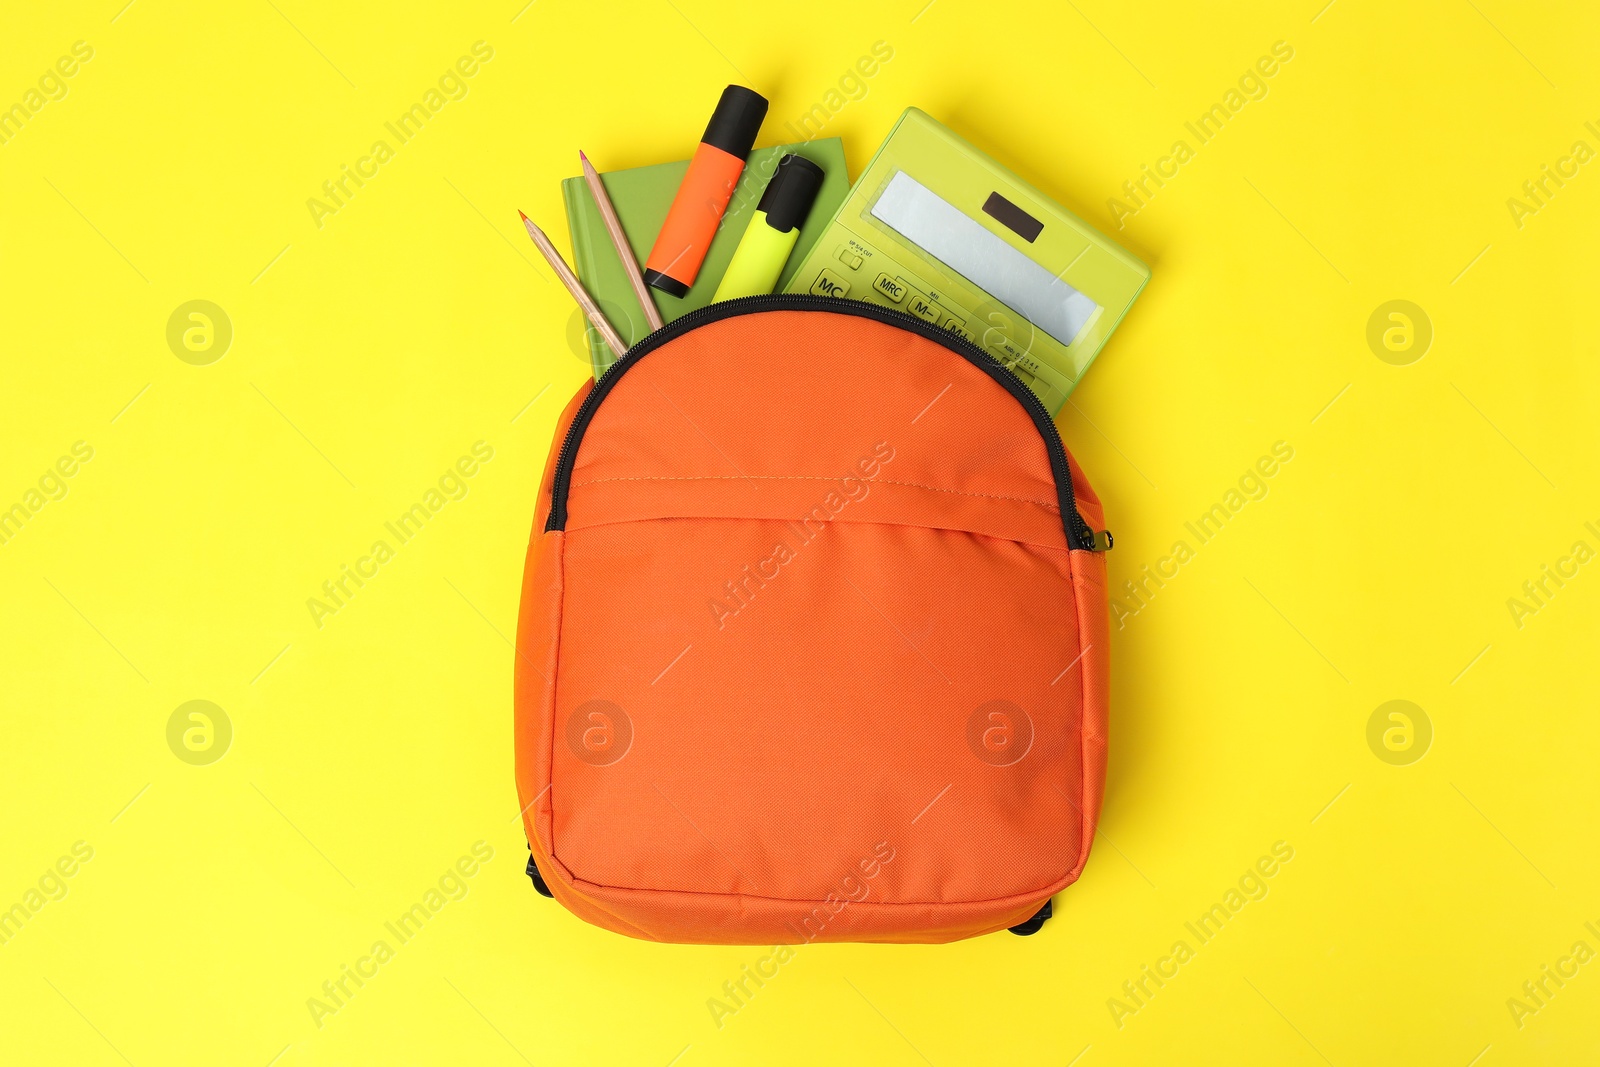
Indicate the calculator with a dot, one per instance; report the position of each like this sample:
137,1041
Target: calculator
937,229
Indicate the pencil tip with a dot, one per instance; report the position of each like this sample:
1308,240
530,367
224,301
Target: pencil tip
582,156
524,217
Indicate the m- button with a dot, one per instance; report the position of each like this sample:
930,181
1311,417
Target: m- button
889,287
923,309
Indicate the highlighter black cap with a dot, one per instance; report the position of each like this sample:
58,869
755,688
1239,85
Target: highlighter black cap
789,195
737,120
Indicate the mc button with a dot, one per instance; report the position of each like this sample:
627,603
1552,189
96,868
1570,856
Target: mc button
829,284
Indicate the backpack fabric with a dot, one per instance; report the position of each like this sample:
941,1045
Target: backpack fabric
813,638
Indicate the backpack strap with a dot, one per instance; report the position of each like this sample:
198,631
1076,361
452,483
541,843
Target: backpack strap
1021,929
544,890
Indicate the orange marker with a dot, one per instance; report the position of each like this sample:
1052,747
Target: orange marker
703,196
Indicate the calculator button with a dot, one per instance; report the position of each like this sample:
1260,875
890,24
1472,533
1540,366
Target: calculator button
953,324
919,306
849,258
890,287
829,284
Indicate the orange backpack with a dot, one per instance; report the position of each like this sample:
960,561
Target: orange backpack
813,638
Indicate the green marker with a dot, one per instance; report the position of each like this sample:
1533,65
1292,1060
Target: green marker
771,235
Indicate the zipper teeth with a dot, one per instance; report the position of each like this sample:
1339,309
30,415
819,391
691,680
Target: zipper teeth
1077,529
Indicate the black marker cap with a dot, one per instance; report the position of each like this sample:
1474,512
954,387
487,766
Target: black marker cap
737,120
789,195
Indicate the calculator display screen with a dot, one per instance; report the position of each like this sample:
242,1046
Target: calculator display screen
946,233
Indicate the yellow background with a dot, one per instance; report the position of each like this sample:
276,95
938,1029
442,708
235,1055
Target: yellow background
368,354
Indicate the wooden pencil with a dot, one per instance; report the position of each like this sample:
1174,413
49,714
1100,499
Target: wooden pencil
597,317
619,240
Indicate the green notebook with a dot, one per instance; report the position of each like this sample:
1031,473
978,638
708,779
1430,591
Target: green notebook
643,195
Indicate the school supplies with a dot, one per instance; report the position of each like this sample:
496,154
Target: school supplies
771,235
597,318
619,241
936,228
713,172
641,197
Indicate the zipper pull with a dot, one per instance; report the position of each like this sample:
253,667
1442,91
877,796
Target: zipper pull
1102,540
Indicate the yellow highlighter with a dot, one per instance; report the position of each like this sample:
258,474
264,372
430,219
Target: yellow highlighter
772,233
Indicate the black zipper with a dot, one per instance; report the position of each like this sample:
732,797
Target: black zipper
1079,534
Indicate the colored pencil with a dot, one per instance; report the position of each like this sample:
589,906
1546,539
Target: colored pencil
597,317
619,240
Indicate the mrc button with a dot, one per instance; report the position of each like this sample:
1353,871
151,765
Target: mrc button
829,284
892,288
